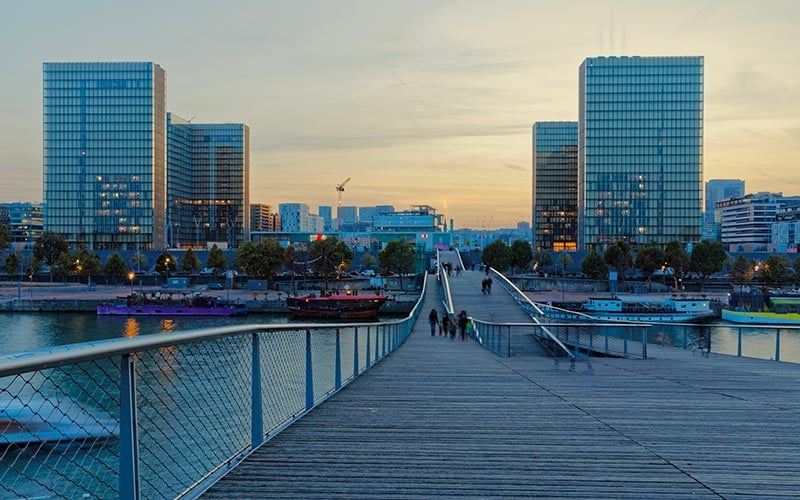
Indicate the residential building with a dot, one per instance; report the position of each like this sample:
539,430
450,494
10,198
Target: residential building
262,218
208,169
347,215
716,191
640,150
366,215
555,185
24,221
747,222
383,209
104,154
785,235
326,212
295,217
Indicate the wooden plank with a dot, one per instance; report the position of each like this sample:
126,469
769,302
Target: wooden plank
451,420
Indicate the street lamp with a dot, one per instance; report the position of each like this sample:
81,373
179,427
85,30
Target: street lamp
130,277
166,265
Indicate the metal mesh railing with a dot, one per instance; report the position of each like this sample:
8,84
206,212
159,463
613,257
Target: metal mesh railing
163,416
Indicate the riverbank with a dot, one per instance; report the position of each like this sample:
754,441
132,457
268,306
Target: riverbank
74,297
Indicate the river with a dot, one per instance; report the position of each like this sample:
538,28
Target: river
26,332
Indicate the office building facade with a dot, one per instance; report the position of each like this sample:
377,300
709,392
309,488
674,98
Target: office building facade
747,223
326,212
555,185
718,190
104,154
24,221
640,150
208,168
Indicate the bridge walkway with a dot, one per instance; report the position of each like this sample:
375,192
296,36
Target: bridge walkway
448,419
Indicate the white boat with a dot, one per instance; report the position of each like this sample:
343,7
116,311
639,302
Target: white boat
640,309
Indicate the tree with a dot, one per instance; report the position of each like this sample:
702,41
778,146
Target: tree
190,262
649,258
541,260
564,260
66,265
775,272
13,265
48,249
368,260
678,259
260,260
115,267
497,255
166,264
87,264
594,267
742,270
330,256
521,254
139,260
289,258
618,255
398,257
216,260
5,237
708,257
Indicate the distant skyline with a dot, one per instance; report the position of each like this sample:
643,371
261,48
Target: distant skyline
420,102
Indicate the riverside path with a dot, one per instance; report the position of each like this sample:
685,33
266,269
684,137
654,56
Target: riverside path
448,419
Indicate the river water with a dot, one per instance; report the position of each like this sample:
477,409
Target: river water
26,332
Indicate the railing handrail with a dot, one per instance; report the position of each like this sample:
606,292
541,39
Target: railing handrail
447,299
52,357
507,283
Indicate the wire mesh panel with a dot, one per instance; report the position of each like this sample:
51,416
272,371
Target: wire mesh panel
58,431
283,376
194,411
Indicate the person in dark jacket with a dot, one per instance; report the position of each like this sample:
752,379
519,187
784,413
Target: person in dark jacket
462,324
433,319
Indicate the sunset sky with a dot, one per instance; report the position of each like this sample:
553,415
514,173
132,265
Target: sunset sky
420,102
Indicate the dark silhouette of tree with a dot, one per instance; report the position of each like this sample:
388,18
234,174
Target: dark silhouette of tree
397,257
541,260
776,271
48,248
521,255
618,255
594,267
708,257
115,267
260,260
649,258
166,264
5,237
216,260
330,257
497,255
742,271
189,262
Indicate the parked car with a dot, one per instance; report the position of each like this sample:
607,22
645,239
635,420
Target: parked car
215,286
207,270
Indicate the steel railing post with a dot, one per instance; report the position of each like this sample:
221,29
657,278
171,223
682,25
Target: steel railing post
256,417
355,353
509,341
337,376
309,373
778,344
128,431
739,343
367,348
644,342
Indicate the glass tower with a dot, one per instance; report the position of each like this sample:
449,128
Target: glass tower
104,154
716,191
555,185
640,150
208,196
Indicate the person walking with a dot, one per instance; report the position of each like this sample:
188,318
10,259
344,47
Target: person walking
462,324
445,324
433,319
488,285
452,328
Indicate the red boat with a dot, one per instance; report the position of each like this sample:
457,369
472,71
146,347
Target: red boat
336,306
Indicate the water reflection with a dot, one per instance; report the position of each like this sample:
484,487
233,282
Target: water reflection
131,328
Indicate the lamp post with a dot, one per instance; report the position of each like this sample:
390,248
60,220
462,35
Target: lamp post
131,274
166,267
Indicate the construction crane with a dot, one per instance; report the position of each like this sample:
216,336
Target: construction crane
339,191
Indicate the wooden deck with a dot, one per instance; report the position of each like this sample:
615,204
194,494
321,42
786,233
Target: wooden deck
448,419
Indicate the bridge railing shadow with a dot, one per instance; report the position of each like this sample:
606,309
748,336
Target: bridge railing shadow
166,415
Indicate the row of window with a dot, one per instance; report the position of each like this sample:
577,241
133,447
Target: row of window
622,86
635,97
634,78
626,156
56,137
124,109
87,102
650,118
643,133
644,107
673,64
72,121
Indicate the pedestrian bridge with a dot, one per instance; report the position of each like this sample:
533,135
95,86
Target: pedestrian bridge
417,415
